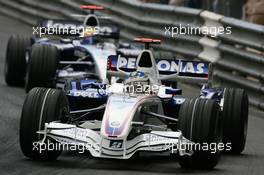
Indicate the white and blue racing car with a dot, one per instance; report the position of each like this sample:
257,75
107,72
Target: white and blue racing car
139,114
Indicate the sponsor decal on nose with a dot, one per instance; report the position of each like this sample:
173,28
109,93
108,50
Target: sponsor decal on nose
115,124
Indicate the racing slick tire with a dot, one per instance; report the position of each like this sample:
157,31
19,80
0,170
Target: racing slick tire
42,66
42,105
235,119
200,122
15,62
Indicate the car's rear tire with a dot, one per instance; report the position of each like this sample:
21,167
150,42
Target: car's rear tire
200,122
15,62
235,118
42,105
42,66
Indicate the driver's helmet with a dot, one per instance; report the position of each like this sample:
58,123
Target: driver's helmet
137,74
90,31
89,36
137,82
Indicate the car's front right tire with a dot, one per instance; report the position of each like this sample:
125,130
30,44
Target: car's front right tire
42,66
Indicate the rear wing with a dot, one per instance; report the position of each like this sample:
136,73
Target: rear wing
60,27
169,69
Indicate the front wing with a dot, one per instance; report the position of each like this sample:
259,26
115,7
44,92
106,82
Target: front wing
111,147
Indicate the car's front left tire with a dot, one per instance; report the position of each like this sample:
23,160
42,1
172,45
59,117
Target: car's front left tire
42,105
200,122
235,119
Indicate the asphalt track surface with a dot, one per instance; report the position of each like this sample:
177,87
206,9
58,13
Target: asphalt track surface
12,160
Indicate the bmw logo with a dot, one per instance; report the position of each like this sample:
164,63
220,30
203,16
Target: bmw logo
115,124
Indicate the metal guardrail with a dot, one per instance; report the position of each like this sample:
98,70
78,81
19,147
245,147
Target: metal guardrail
238,57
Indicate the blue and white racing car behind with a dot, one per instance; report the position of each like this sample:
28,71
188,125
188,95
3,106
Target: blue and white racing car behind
138,114
67,49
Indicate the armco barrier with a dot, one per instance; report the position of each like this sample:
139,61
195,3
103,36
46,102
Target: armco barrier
238,57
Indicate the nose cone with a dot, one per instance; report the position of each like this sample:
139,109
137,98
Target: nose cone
118,116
